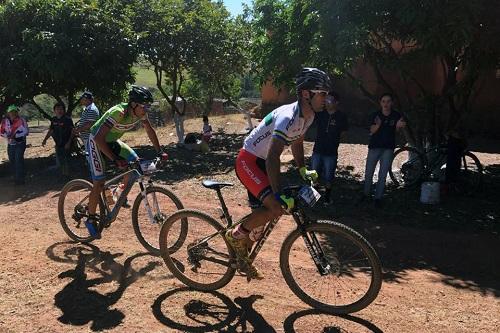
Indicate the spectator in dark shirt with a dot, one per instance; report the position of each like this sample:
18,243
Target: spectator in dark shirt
383,126
331,124
61,130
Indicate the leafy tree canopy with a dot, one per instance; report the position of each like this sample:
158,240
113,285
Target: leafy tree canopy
392,36
63,47
191,40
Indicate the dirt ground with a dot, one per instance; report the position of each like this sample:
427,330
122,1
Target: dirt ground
441,263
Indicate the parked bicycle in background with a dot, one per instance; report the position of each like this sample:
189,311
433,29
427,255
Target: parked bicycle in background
411,166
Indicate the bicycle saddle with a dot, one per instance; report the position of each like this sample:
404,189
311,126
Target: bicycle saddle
215,185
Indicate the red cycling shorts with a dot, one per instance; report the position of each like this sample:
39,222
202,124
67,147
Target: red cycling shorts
251,171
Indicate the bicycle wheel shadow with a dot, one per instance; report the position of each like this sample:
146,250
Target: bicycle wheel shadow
340,323
79,300
208,312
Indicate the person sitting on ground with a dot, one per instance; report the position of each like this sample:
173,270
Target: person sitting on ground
15,129
331,124
61,130
207,130
105,137
258,162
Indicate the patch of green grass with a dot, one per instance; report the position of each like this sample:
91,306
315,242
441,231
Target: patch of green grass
144,77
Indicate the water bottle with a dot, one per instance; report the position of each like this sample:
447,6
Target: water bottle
118,191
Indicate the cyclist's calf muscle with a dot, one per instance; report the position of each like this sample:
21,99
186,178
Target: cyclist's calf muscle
94,195
260,216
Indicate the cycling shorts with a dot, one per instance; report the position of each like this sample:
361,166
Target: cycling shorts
251,171
97,163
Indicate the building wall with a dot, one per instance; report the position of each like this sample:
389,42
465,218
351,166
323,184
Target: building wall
483,120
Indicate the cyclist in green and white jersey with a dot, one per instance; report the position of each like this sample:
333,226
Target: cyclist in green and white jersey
105,137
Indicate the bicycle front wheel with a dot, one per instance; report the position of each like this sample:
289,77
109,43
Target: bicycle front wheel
407,168
148,218
73,209
205,261
346,276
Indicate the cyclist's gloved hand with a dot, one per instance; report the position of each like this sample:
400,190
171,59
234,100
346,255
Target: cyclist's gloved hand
121,164
308,174
286,202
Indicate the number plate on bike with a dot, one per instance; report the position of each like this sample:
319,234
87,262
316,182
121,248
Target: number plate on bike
309,195
147,166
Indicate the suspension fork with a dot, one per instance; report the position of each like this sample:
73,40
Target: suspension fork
312,244
146,201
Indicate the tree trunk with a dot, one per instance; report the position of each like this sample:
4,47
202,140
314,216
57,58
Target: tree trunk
179,127
247,115
38,107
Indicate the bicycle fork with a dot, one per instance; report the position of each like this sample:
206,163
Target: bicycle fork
314,247
147,205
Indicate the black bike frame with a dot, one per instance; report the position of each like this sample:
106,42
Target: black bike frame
311,241
134,176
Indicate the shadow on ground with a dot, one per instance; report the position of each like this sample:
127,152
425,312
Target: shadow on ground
195,311
42,177
79,301
459,238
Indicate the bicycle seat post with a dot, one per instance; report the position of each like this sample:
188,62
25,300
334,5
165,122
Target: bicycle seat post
225,211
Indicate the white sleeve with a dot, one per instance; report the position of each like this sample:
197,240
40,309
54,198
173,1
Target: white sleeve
282,125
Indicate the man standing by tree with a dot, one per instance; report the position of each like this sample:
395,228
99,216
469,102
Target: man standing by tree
331,124
90,115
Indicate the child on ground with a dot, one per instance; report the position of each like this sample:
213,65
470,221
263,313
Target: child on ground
207,130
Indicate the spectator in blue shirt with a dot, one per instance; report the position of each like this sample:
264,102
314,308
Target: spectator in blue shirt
331,124
383,126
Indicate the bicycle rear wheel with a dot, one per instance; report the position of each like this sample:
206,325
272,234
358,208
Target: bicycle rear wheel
78,150
205,261
407,168
72,209
351,274
471,173
162,202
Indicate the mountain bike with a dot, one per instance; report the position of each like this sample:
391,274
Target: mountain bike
78,147
411,166
150,209
326,264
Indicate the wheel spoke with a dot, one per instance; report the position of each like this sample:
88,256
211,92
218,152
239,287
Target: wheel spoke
158,205
202,262
353,279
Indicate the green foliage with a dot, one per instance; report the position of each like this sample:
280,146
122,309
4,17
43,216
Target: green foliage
194,47
61,48
144,76
462,36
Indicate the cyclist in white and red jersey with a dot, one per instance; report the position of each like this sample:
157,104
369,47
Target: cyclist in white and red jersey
258,162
